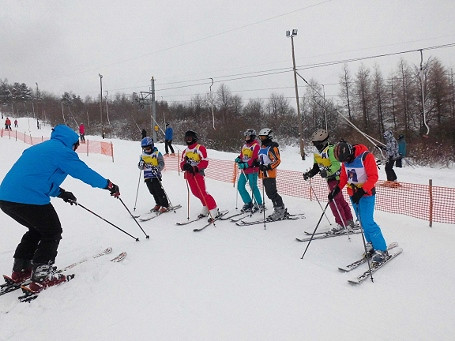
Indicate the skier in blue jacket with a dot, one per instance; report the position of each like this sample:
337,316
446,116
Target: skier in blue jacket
168,136
25,195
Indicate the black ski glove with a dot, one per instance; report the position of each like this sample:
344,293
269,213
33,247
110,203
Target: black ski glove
357,195
190,169
323,173
67,196
264,168
115,191
334,193
306,176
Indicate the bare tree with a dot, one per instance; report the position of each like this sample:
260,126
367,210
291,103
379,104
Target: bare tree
346,85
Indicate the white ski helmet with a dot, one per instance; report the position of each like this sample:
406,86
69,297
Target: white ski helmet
319,135
266,132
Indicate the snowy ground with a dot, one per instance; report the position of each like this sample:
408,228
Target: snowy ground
227,282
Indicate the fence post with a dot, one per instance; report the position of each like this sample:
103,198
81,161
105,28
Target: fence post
178,162
430,189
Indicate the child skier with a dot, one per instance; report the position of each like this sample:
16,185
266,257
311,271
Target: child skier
329,168
246,162
194,162
360,172
269,160
152,162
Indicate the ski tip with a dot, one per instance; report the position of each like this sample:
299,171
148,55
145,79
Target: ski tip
353,282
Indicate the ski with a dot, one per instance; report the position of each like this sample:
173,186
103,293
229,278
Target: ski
326,235
30,296
181,223
357,228
102,253
152,215
241,215
359,279
220,215
362,260
121,256
10,286
267,220
234,215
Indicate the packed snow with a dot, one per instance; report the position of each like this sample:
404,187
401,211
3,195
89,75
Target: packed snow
226,282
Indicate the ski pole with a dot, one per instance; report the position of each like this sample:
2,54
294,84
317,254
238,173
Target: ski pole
342,220
137,190
317,225
364,242
107,221
188,200
253,198
132,216
237,195
314,192
167,196
263,201
340,216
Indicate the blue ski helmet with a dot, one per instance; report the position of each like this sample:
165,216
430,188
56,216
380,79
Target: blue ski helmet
147,142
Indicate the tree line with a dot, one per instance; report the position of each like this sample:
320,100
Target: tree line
416,101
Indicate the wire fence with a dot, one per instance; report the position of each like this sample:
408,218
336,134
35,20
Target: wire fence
94,147
426,202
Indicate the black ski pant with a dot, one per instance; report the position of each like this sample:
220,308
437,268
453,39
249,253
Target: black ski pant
40,243
271,191
156,189
390,173
168,143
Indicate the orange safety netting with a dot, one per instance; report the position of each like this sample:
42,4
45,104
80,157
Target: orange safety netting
94,147
427,202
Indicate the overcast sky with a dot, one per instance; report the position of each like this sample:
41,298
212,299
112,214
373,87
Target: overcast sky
65,45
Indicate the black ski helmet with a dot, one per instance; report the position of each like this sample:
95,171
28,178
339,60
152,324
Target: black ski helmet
190,137
343,152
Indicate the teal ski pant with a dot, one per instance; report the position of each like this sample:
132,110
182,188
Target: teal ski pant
252,178
364,211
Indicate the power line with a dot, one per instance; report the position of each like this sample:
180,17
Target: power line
262,73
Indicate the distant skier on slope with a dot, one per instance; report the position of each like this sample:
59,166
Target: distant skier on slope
25,194
392,155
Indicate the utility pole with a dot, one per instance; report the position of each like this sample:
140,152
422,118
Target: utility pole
101,104
291,34
154,123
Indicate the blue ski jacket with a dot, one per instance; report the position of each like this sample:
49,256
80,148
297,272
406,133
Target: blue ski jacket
169,133
38,173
